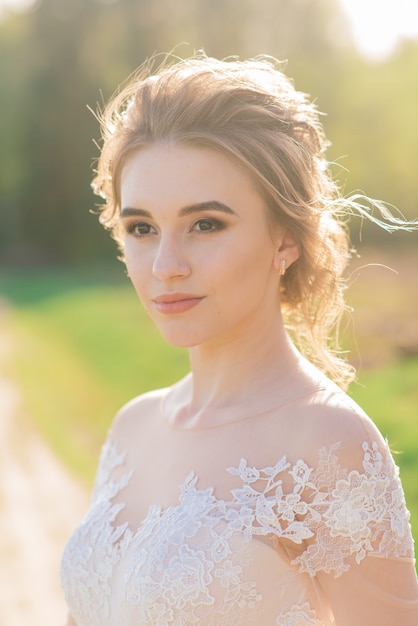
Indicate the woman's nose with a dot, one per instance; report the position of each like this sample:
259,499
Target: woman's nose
170,261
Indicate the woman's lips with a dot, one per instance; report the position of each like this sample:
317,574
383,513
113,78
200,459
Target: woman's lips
175,303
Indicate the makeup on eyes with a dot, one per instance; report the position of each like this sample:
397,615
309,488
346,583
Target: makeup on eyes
215,224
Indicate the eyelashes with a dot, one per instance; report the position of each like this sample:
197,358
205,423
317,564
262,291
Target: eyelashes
208,224
203,225
140,229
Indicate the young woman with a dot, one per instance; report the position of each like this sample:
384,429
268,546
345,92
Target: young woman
252,491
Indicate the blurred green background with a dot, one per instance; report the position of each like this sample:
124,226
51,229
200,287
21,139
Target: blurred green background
81,343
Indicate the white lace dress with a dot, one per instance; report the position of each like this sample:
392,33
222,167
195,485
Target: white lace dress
273,554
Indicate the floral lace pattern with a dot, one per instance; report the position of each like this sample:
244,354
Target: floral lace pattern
298,616
347,512
188,564
87,580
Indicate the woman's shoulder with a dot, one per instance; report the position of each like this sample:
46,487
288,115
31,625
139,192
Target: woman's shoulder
332,418
137,413
143,402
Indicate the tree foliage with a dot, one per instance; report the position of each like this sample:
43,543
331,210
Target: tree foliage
61,57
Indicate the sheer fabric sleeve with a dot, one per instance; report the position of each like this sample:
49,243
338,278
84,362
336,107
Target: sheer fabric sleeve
360,551
110,467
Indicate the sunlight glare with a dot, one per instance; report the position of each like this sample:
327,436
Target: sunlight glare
378,25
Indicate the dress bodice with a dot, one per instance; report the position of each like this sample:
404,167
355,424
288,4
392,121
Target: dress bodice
252,559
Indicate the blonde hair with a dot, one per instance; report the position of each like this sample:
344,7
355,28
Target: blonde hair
250,111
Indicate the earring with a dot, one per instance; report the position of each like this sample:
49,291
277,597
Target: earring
282,267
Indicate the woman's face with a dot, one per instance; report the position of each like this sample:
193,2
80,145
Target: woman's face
198,246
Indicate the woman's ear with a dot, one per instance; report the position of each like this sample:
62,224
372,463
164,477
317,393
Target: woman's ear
287,252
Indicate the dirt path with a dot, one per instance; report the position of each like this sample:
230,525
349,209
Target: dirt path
39,506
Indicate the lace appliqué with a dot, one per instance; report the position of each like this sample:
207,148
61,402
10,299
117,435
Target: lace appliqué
301,615
169,568
341,513
169,564
176,556
88,563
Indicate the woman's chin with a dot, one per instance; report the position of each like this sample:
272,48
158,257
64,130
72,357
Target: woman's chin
178,340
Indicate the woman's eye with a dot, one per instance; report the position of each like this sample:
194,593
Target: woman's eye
139,229
207,225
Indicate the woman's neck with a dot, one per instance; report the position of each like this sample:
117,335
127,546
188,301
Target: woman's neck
248,374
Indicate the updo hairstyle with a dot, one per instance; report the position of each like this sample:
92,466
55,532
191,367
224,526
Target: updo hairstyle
251,112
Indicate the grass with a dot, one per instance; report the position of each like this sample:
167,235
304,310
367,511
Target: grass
83,346
390,396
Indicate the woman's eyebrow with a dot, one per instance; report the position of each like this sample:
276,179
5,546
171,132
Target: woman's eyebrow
128,212
209,205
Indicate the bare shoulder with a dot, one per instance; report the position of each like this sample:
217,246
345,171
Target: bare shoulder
332,420
136,415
